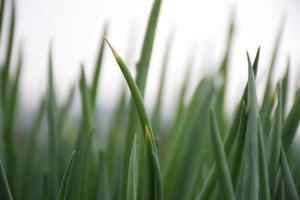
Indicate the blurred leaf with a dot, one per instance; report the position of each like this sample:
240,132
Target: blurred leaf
221,160
179,139
4,187
8,53
2,5
266,106
250,183
210,182
287,176
275,142
52,131
263,167
97,68
132,173
66,179
291,123
156,117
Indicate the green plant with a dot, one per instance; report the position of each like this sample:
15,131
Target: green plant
201,154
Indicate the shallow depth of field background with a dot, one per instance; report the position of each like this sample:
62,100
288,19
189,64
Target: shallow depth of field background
75,28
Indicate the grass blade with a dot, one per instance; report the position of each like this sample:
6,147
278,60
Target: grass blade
201,98
2,6
221,160
5,193
144,120
141,78
223,72
263,167
250,184
132,173
97,68
66,179
52,131
291,123
287,176
211,180
275,142
158,103
8,54
266,106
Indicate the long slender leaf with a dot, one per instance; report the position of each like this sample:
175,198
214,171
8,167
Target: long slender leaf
291,123
141,78
156,117
66,179
132,173
144,120
275,142
211,179
288,179
98,66
52,131
250,184
263,167
5,193
221,160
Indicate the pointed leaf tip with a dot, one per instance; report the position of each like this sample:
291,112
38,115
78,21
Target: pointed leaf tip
110,46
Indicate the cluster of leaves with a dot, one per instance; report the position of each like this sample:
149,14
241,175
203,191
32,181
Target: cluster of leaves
201,155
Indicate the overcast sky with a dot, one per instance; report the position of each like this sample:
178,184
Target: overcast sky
75,27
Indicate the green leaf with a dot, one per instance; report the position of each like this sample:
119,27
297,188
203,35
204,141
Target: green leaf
231,135
97,68
141,78
287,176
158,103
275,142
8,54
132,172
66,179
201,98
144,61
52,131
221,160
5,193
266,106
291,123
30,153
237,149
263,167
2,6
250,181
285,86
144,121
223,73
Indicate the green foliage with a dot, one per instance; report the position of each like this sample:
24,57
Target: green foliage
202,153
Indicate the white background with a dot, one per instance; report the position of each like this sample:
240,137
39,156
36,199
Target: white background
75,28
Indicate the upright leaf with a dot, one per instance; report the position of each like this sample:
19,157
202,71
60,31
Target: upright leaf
291,123
141,78
52,132
208,187
4,187
132,173
221,160
275,142
263,167
145,122
250,182
66,179
98,66
156,117
287,176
